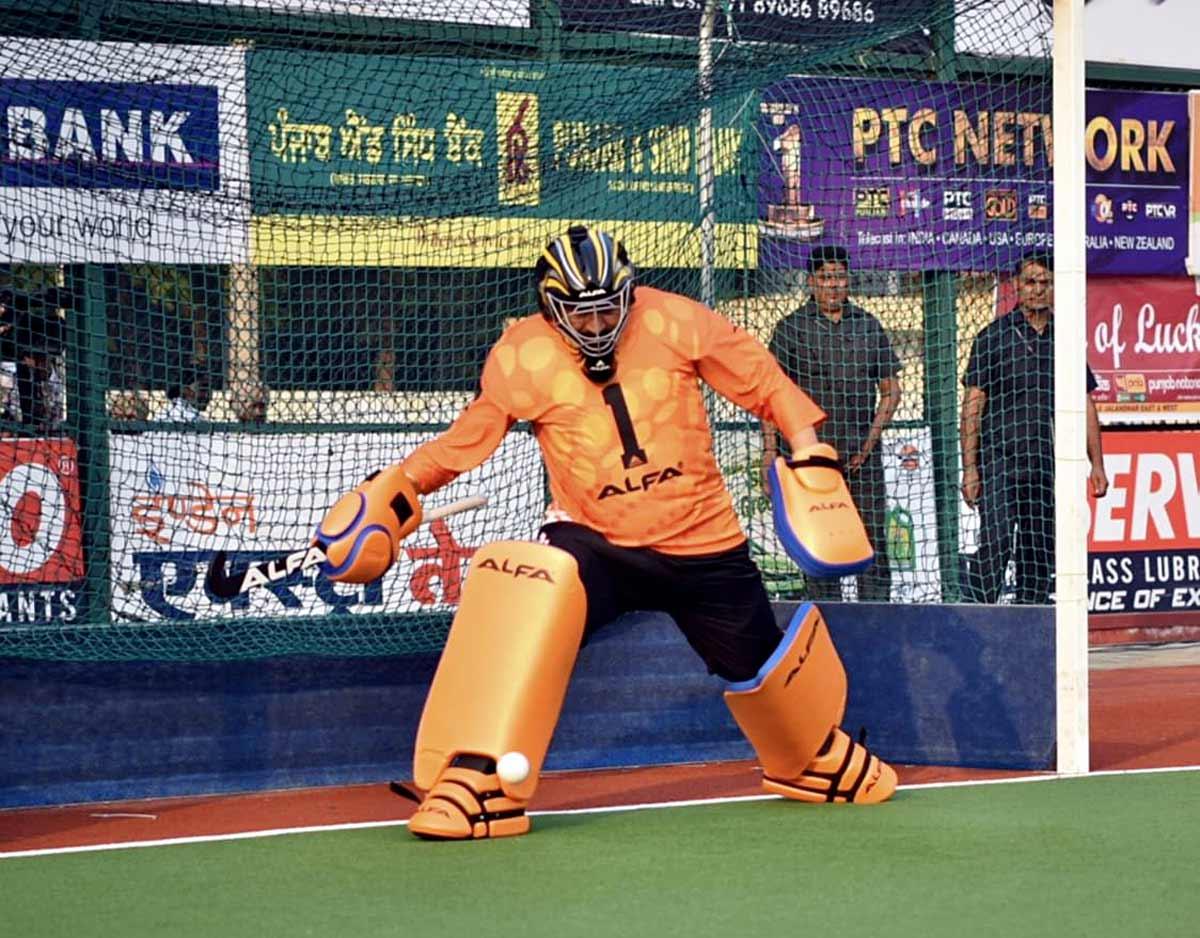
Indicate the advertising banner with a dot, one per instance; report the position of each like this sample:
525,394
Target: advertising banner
476,12
1144,540
1137,182
469,162
1144,346
107,161
173,505
908,176
807,22
912,533
41,546
1193,259
921,176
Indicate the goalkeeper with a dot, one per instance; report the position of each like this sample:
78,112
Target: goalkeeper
609,375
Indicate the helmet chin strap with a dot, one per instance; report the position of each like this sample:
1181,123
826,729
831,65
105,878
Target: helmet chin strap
600,368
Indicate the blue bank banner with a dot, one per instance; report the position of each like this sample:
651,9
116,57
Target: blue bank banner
109,135
908,176
827,22
1137,182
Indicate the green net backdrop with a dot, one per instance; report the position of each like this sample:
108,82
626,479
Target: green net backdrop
255,251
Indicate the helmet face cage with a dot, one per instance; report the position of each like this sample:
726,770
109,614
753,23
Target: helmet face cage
582,276
566,312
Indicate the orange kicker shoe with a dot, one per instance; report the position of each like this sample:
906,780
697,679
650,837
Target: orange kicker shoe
843,771
468,804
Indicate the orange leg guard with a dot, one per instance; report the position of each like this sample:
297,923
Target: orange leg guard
499,688
790,713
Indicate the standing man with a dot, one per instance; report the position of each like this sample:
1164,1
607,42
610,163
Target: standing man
840,355
1008,441
32,332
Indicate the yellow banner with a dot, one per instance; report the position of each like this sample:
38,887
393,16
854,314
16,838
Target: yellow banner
389,241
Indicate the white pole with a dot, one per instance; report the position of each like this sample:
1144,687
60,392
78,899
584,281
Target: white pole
1070,437
704,158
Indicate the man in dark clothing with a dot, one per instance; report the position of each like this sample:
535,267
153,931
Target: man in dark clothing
1008,442
840,355
31,335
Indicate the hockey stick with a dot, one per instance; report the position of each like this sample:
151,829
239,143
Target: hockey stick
224,585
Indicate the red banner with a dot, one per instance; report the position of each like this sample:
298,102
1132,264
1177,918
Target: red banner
40,538
1144,537
1144,345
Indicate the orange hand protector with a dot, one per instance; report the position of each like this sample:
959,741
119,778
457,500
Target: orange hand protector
361,533
815,517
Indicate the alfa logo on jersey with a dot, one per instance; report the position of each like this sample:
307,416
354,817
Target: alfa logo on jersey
641,483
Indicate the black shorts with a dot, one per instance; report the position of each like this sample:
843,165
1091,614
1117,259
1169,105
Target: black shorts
717,600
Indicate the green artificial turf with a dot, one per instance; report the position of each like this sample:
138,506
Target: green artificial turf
1101,856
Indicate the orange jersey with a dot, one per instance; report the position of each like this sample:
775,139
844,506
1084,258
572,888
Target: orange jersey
632,459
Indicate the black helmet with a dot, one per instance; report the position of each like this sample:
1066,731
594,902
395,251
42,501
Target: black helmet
586,272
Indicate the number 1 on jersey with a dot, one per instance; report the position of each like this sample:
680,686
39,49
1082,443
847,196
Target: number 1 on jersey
632,455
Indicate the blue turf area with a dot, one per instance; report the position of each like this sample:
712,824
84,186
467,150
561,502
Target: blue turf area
949,685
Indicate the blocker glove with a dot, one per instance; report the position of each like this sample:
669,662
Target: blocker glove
815,517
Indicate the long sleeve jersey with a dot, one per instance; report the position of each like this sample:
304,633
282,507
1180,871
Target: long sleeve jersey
632,459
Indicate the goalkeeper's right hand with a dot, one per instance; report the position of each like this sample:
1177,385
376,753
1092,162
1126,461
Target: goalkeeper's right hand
361,533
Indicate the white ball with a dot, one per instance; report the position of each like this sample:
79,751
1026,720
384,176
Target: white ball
513,767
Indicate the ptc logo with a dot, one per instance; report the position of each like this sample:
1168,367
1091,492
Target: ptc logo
957,205
641,483
1000,205
1102,209
517,570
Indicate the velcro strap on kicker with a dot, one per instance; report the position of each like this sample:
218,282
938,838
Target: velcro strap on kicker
822,461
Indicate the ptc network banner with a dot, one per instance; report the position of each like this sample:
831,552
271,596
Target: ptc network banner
174,505
116,152
809,22
958,176
907,175
1137,182
1144,541
1144,346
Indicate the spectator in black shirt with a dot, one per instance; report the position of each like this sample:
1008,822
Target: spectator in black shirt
1008,441
840,355
31,335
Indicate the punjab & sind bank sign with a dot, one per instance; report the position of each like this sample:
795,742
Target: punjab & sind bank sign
425,161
